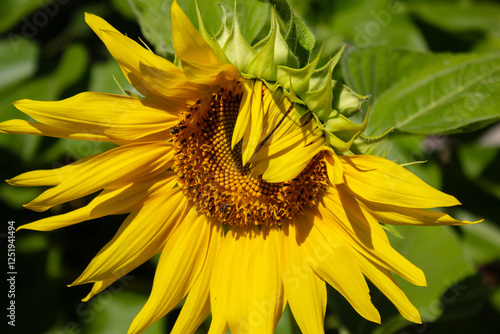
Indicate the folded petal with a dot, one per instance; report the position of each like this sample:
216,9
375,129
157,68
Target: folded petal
118,165
249,122
246,289
383,181
304,290
334,167
181,262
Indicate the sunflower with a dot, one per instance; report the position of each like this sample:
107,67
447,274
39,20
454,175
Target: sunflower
238,167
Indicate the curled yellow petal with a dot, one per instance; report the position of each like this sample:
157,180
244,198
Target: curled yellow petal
383,181
188,43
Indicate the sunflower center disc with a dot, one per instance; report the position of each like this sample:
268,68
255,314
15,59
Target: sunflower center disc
213,176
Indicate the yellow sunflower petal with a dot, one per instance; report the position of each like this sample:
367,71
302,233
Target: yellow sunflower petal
179,266
334,167
121,164
288,165
116,117
197,305
137,55
276,108
304,290
364,233
151,75
335,262
46,177
298,136
210,74
108,202
98,287
383,280
142,235
19,126
188,43
219,284
243,121
383,181
246,287
397,215
253,129
154,83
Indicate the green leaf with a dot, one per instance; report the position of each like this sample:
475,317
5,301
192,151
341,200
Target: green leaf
495,299
286,325
112,311
426,93
491,43
368,23
252,15
70,69
465,299
154,19
474,159
461,16
11,12
481,241
16,197
439,253
124,8
107,77
17,60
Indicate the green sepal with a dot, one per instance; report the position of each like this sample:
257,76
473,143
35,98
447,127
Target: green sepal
265,55
236,48
223,34
343,127
320,94
320,101
324,74
283,56
345,100
298,78
300,109
298,36
272,60
339,145
213,42
271,51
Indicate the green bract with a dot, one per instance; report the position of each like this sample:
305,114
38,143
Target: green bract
310,88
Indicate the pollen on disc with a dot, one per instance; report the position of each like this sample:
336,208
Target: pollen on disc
212,175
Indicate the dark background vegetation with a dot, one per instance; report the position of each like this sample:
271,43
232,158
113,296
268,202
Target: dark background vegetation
47,52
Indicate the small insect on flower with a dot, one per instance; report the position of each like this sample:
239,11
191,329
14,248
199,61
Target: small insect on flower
175,130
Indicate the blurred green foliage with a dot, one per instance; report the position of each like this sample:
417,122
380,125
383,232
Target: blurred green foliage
432,68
